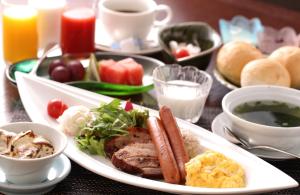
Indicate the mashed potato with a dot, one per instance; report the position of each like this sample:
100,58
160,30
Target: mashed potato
73,119
214,170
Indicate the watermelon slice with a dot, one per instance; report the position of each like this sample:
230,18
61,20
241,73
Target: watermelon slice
134,71
103,68
126,71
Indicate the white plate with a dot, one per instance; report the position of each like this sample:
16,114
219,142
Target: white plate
35,93
59,170
217,127
103,41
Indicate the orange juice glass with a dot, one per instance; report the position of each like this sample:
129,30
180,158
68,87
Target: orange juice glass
20,40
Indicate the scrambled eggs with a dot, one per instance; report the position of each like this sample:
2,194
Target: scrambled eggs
214,170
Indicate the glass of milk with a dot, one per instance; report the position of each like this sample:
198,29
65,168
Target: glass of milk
48,21
183,89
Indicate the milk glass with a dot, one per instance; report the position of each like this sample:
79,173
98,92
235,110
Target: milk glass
48,21
20,39
183,89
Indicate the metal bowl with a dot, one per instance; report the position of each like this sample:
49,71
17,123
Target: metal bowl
197,33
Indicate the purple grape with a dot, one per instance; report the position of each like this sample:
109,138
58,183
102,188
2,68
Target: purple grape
61,74
76,69
55,63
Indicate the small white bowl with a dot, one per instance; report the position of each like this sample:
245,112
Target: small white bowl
31,171
281,137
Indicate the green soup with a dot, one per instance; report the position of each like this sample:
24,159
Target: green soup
271,113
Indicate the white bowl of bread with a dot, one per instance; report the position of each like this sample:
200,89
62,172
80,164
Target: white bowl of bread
244,65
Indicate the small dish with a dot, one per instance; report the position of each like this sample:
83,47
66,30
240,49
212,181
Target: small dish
240,28
197,33
220,121
24,66
104,42
58,171
20,170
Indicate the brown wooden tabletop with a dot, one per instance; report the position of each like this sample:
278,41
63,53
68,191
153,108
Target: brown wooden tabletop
82,181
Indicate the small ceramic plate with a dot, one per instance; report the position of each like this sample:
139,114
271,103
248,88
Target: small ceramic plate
28,66
221,121
59,170
104,42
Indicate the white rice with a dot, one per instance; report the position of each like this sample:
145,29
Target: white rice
191,143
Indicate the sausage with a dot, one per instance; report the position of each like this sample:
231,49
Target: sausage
166,157
175,138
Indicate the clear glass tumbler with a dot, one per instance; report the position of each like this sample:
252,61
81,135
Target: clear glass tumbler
48,21
183,89
19,30
78,23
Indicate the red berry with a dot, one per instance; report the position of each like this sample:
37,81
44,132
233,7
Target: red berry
76,69
181,53
55,63
56,107
61,74
128,106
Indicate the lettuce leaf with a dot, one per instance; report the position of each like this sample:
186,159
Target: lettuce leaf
110,120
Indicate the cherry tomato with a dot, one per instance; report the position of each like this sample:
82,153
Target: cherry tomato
56,107
128,106
181,53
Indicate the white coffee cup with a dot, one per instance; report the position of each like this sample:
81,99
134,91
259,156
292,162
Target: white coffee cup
123,19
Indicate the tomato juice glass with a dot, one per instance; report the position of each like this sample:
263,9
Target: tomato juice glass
78,30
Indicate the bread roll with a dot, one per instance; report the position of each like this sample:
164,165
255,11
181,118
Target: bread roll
265,72
232,58
289,57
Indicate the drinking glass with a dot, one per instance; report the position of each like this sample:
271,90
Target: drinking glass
78,27
48,21
183,89
19,28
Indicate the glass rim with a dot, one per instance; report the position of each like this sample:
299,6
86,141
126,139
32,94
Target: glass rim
155,79
7,3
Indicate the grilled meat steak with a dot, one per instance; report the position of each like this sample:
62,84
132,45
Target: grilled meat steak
138,158
135,135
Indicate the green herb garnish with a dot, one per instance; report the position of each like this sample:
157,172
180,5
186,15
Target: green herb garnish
110,120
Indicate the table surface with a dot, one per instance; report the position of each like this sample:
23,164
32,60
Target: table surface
82,181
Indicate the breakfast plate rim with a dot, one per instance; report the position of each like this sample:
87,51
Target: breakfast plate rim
102,166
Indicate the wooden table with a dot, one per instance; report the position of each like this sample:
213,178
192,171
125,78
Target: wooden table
81,181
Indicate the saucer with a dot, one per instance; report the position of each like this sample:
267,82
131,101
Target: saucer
59,170
217,128
104,42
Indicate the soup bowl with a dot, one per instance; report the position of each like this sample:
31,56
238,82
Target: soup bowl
32,170
284,138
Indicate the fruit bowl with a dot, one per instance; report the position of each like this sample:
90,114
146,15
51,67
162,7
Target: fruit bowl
195,33
41,69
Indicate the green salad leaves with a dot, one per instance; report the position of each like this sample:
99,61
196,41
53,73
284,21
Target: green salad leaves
109,120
